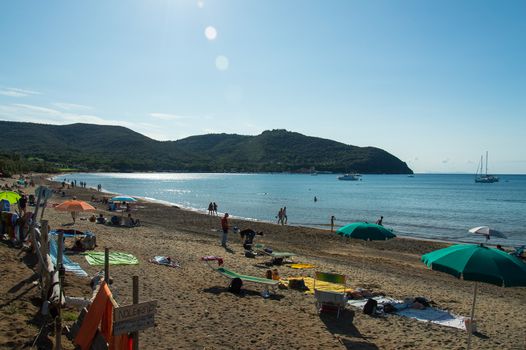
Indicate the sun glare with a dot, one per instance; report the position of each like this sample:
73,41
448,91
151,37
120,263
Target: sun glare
210,33
221,63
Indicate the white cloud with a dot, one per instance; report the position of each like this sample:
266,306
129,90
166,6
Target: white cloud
15,92
168,116
70,106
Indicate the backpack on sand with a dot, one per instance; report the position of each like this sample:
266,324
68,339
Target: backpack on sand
235,285
370,307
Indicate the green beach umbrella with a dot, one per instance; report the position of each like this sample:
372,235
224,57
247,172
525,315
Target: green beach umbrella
366,231
10,196
478,263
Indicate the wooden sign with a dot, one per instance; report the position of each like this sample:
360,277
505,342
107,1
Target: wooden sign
136,317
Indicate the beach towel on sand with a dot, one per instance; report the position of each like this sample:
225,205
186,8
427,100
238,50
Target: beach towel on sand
164,260
116,258
429,314
69,265
302,266
320,285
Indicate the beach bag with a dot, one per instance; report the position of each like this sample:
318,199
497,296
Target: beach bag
250,254
298,284
422,301
235,285
370,307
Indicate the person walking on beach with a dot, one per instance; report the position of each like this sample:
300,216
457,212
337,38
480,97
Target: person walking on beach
379,221
210,209
224,227
22,204
332,222
214,205
74,213
280,216
285,219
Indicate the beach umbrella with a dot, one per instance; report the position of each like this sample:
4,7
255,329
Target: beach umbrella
123,199
487,232
74,205
10,196
366,231
478,263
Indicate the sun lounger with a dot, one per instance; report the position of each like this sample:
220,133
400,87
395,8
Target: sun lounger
277,257
245,278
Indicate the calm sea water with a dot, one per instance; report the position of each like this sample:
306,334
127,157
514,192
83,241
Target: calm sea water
432,206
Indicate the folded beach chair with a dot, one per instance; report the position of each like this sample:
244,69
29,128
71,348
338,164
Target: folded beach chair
326,300
265,282
277,257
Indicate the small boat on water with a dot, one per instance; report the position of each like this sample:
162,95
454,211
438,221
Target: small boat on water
350,177
480,177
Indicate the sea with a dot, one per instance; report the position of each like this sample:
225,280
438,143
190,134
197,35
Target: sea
426,206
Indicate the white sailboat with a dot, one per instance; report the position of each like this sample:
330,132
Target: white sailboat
480,177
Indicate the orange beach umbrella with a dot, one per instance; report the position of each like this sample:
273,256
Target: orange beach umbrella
74,205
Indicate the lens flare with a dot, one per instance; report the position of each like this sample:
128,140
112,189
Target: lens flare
221,63
210,33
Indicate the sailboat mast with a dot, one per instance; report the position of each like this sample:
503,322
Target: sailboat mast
486,162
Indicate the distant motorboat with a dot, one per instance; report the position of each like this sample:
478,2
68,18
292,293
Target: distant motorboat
350,177
480,177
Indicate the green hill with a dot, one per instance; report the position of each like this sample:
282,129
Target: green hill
115,148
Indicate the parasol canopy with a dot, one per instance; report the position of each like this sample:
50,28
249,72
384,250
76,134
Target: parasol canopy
366,231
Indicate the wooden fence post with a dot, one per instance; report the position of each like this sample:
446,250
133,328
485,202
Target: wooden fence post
107,265
61,273
135,335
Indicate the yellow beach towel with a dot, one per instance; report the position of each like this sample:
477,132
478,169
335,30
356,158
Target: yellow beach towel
302,266
320,285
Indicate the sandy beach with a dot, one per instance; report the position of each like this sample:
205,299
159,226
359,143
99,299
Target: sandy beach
196,311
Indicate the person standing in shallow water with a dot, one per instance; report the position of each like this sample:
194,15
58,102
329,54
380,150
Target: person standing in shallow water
214,206
379,221
280,216
285,218
210,209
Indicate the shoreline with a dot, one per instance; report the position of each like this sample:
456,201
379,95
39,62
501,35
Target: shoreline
316,227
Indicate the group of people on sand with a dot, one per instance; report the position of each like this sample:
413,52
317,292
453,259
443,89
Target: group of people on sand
212,208
129,221
246,235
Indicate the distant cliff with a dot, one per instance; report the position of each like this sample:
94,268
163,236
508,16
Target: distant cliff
115,148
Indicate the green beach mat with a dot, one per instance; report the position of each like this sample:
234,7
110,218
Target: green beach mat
232,274
116,258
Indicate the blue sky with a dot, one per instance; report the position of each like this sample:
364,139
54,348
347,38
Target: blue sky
436,83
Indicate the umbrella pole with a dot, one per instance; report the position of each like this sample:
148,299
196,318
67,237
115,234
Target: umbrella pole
472,315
